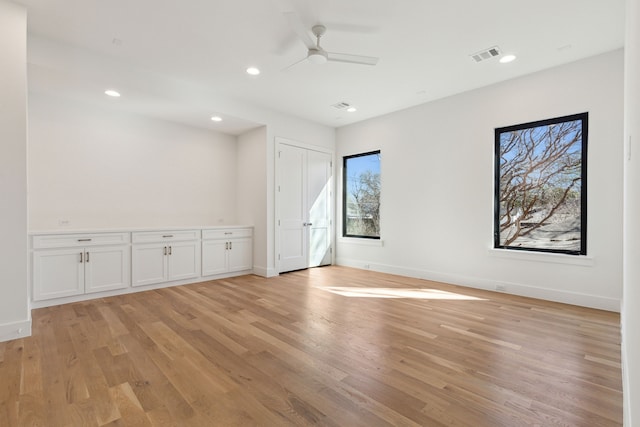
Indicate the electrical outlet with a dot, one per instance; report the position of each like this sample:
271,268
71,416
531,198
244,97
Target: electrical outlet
63,222
367,266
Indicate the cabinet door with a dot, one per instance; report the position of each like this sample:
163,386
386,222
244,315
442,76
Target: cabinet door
149,264
58,273
214,257
106,268
240,255
183,260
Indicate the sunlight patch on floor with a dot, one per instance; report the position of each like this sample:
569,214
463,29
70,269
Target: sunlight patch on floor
414,293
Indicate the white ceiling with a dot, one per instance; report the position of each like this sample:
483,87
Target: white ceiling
185,60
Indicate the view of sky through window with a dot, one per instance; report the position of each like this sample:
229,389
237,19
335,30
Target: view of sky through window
361,199
540,183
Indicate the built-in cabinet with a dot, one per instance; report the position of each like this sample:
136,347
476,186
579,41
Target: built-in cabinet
67,265
226,251
164,256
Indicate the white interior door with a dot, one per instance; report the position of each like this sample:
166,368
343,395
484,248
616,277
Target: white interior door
293,217
319,207
304,207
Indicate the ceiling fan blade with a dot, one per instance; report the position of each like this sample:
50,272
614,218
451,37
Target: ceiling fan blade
352,59
298,27
294,64
351,28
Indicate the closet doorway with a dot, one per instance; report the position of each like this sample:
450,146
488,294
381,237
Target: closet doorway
304,206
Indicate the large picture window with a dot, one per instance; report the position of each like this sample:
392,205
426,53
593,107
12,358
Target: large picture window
361,196
541,185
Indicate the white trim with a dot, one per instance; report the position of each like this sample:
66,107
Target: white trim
134,229
264,271
360,241
583,260
135,289
278,141
15,330
626,404
574,298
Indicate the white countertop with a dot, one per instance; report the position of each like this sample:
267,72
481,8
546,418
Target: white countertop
134,229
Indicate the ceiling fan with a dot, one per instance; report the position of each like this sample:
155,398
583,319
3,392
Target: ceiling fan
315,53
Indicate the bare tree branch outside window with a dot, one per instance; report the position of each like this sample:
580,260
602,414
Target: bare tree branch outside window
361,196
540,199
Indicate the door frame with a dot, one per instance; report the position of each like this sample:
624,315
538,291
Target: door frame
332,205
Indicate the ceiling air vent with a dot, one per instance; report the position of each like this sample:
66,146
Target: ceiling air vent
485,54
341,105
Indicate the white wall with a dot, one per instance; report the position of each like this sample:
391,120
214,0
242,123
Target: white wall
101,168
52,61
256,179
15,320
252,191
437,185
631,293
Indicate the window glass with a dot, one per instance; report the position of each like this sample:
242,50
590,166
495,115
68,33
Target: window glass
540,183
361,196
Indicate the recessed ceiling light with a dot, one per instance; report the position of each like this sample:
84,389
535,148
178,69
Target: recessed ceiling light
507,58
352,109
112,93
216,118
253,71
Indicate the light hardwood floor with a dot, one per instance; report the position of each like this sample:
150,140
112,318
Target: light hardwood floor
329,346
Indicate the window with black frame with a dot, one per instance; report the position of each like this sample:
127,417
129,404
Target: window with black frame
361,196
541,186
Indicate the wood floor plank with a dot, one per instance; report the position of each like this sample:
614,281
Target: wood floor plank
104,408
152,379
11,371
31,376
129,406
328,346
31,412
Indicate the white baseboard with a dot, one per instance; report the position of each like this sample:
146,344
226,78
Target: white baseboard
134,289
264,271
624,350
583,300
15,330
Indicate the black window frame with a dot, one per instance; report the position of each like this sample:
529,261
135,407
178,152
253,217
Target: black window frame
584,118
345,159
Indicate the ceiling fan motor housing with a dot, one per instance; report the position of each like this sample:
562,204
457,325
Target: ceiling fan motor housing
317,56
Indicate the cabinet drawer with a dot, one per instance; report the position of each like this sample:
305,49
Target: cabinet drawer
230,233
79,240
164,236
